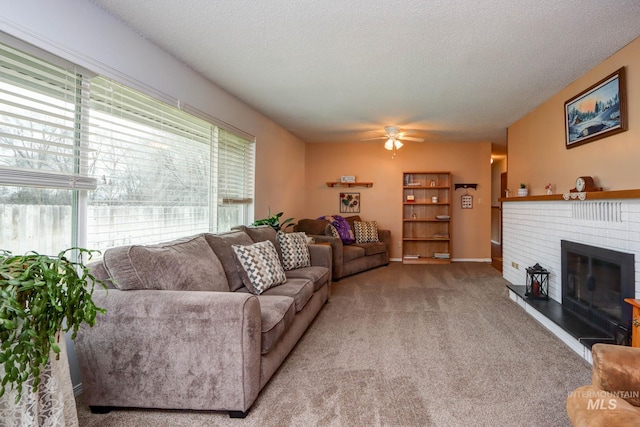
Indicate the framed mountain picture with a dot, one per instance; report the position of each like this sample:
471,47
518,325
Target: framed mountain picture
597,112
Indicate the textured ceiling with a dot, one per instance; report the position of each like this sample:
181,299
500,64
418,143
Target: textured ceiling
335,70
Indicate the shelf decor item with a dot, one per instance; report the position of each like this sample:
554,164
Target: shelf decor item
523,191
597,112
537,286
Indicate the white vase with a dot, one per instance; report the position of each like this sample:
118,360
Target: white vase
523,192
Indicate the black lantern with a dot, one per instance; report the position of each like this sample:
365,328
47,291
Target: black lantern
537,283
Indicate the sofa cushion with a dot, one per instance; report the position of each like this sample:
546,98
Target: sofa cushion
372,248
294,250
187,264
221,245
277,313
352,219
351,252
312,226
301,290
317,274
366,231
261,268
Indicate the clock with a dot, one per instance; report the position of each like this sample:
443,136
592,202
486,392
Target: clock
584,184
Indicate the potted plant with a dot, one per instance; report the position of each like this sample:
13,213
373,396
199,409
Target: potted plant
42,296
523,191
274,221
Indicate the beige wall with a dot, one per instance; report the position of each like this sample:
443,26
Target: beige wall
468,162
537,153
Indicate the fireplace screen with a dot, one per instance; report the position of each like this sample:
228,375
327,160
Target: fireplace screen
595,282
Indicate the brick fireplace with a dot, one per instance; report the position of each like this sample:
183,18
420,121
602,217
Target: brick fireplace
533,228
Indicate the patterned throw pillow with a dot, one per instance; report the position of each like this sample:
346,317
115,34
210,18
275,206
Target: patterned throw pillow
261,264
334,231
366,232
294,249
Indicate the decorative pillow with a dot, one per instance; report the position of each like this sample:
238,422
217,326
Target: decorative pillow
366,232
334,231
261,264
295,252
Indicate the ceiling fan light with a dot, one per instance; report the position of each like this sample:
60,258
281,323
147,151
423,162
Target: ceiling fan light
389,144
398,144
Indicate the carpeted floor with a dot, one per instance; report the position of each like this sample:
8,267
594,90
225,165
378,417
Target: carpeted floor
408,345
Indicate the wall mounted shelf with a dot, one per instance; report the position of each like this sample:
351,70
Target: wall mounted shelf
349,184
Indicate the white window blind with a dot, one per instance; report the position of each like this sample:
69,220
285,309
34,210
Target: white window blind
153,164
235,179
153,172
40,123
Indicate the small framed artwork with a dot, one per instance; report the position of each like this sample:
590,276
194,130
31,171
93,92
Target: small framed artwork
597,112
349,202
467,201
348,178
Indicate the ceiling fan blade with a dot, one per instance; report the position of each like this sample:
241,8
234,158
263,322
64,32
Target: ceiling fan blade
371,139
411,138
407,132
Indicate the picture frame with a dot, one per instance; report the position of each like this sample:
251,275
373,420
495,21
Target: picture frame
598,111
348,178
349,202
466,201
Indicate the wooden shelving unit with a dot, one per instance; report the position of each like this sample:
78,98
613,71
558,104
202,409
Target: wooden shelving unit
426,224
349,184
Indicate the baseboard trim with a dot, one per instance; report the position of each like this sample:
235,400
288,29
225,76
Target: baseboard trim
77,390
455,259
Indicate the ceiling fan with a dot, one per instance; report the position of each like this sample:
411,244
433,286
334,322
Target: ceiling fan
395,137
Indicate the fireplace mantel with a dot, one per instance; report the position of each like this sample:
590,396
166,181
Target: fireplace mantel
592,195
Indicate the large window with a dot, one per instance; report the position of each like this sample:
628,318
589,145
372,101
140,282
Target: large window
87,161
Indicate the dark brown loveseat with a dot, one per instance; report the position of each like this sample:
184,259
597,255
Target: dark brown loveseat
348,259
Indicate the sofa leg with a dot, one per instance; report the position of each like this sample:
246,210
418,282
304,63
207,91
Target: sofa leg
100,409
238,414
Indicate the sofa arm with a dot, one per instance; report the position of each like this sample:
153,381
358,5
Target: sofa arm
321,255
590,406
616,368
172,349
336,252
385,237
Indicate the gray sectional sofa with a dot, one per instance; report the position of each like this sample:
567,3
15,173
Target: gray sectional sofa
183,331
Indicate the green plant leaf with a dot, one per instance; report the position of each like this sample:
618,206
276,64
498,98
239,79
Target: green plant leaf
41,296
